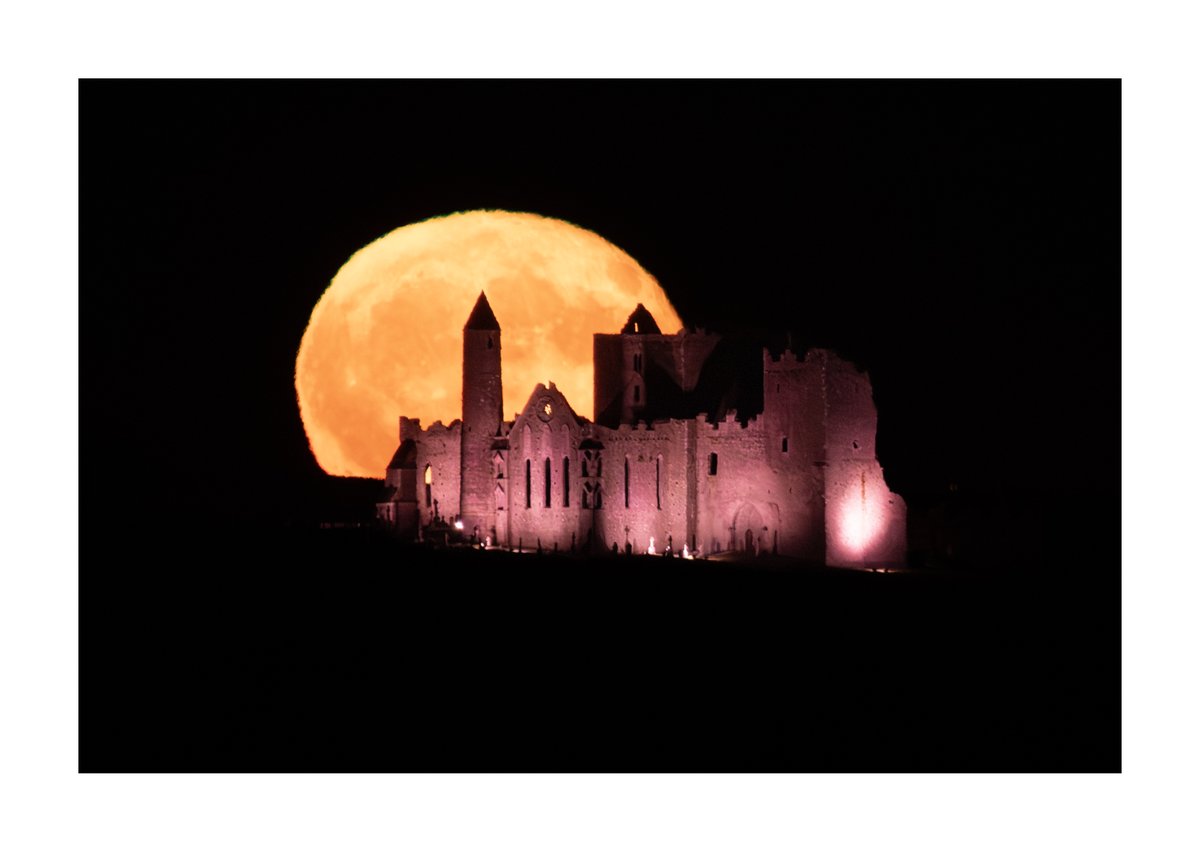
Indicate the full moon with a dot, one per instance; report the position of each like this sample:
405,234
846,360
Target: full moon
385,338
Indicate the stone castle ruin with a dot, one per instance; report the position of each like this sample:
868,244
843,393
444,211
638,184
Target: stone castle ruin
665,466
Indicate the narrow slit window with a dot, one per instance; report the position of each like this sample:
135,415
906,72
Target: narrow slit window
626,483
428,485
783,445
712,464
658,482
637,393
546,502
566,482
528,485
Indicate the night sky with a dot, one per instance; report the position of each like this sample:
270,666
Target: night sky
959,240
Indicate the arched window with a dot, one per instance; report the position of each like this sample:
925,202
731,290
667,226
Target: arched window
528,485
566,481
428,485
626,482
546,502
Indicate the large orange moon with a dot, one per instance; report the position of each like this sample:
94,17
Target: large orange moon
385,339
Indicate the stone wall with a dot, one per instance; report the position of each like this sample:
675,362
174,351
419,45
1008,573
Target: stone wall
865,523
439,450
539,437
647,463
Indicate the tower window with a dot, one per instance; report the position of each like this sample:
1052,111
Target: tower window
428,485
658,482
546,503
626,482
712,464
528,485
783,446
566,482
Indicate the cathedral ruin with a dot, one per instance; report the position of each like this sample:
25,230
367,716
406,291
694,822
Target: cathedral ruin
661,467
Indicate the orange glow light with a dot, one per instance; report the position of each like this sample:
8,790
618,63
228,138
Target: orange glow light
385,339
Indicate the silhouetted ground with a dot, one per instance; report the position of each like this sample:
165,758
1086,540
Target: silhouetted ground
338,649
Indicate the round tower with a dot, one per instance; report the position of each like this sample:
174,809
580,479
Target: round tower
482,414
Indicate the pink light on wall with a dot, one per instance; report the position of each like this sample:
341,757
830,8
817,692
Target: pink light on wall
861,518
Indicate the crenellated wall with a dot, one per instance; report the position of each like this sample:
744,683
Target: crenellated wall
439,453
644,486
865,523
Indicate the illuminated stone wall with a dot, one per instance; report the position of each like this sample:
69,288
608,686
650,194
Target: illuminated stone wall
644,486
545,433
865,523
438,453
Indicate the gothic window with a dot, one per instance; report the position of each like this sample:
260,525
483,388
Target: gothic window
528,485
712,464
566,486
546,502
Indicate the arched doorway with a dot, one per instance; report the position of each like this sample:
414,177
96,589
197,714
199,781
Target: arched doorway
747,527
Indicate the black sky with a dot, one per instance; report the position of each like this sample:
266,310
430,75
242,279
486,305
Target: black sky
960,240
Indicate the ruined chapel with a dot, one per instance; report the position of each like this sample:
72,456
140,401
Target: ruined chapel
665,464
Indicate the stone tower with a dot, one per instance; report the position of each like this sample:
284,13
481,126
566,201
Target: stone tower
619,361
482,414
